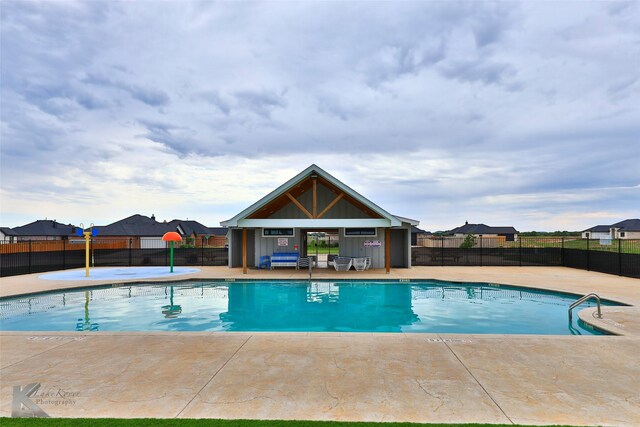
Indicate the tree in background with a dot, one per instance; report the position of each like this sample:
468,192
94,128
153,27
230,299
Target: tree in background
469,241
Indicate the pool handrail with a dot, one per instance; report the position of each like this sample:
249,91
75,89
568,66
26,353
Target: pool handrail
583,299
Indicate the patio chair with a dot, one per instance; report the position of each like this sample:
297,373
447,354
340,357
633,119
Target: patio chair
360,264
368,262
342,263
330,259
265,262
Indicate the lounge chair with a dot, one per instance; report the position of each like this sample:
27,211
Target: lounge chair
360,264
342,263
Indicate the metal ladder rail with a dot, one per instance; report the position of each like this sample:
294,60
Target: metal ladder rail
583,299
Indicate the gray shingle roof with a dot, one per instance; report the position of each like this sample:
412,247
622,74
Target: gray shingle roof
143,226
136,225
599,229
45,227
416,230
628,225
482,229
218,231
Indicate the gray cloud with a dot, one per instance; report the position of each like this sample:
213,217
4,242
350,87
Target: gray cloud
147,95
493,108
478,71
262,103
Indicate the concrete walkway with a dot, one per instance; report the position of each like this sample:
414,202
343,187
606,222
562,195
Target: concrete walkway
581,380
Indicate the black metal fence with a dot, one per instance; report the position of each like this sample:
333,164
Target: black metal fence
38,256
621,257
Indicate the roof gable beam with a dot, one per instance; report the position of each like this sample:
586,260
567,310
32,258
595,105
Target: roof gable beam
299,205
330,205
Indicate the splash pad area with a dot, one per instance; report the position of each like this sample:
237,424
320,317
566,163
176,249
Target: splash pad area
119,273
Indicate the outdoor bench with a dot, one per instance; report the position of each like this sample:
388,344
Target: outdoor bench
284,259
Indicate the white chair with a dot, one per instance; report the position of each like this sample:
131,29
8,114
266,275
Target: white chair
360,264
342,263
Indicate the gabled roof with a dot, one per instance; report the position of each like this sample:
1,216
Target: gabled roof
628,225
136,225
44,227
598,229
7,231
144,226
482,229
417,230
314,169
218,231
190,227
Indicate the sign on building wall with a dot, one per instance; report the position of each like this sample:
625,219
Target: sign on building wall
375,243
283,241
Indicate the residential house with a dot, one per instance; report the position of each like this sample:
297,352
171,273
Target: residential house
510,234
42,229
146,233
417,235
627,229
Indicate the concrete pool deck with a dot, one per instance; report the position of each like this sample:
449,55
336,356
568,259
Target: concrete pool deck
448,378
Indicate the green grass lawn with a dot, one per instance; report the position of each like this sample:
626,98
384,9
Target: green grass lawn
143,422
626,246
311,250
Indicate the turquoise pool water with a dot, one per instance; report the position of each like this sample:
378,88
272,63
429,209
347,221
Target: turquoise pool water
429,306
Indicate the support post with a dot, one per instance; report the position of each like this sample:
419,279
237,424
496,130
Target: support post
202,250
171,256
481,250
130,241
588,260
520,250
619,257
442,251
64,255
86,253
244,251
387,249
29,255
315,199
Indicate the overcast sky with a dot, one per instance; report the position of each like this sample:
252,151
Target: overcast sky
523,114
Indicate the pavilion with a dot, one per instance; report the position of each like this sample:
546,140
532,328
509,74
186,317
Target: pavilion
314,201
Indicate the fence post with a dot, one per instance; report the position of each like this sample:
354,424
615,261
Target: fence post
588,260
29,255
562,252
64,255
481,250
202,251
442,251
130,241
619,257
520,250
93,262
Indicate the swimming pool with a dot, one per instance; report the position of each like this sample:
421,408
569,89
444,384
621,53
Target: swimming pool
328,306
